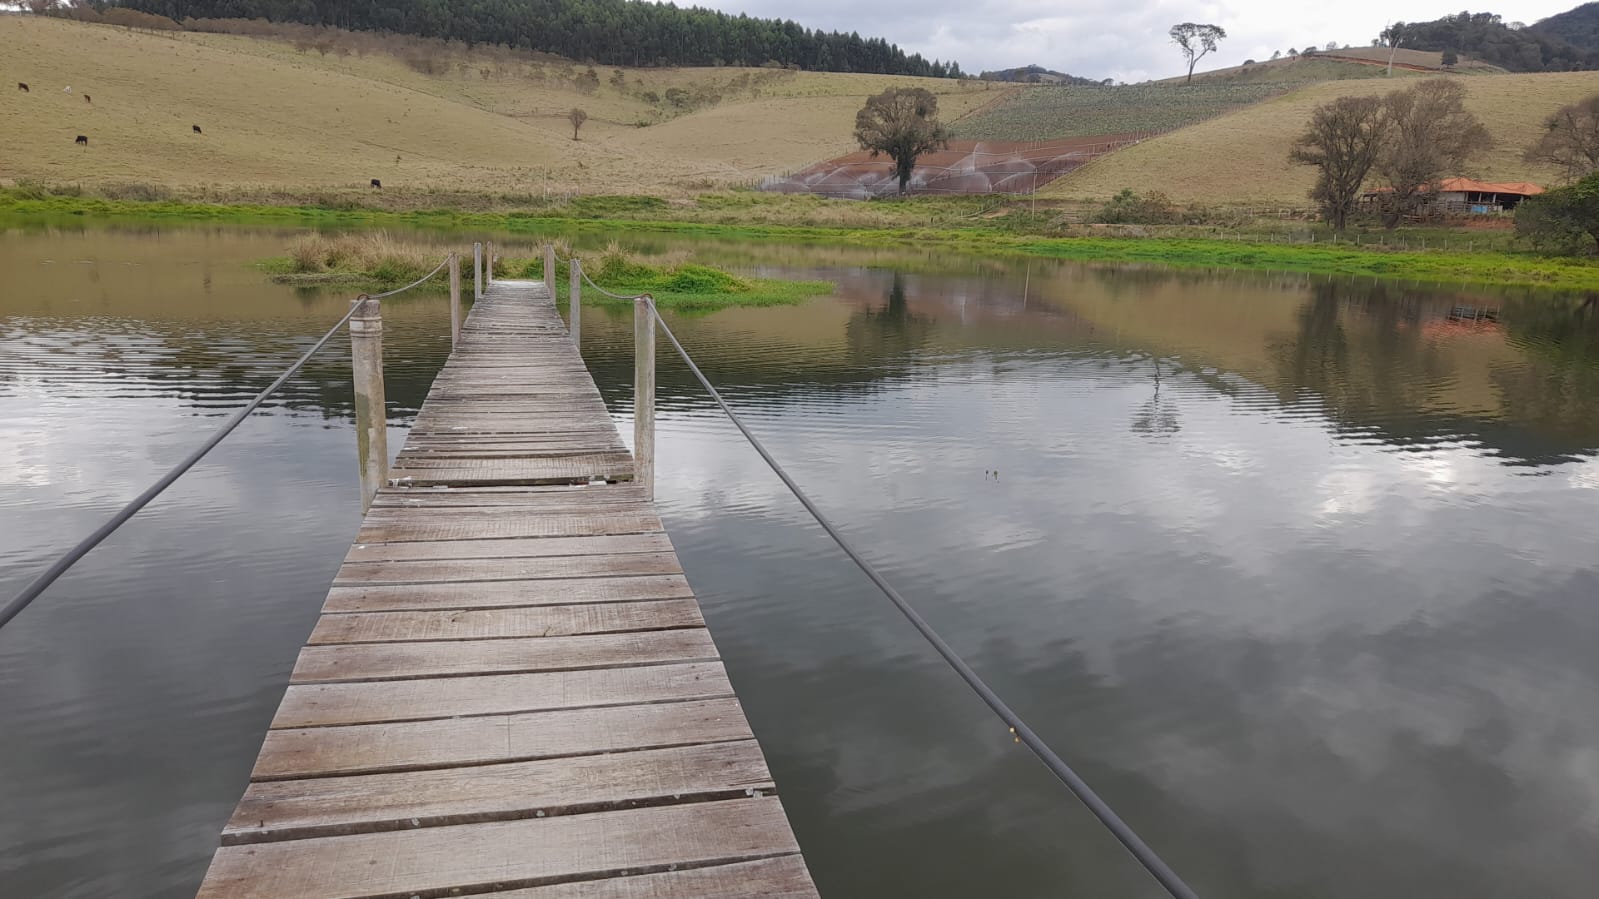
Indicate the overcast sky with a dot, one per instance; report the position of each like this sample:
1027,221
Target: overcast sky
1121,39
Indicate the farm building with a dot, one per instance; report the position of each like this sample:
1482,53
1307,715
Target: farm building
1479,197
1465,196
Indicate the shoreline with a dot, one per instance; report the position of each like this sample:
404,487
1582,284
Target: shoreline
1490,267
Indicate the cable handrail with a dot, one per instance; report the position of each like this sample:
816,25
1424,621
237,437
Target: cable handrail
1146,856
71,557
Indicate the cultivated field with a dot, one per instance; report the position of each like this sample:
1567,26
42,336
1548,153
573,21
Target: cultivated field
1241,158
280,117
1045,112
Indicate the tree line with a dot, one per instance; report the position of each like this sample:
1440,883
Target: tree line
612,32
1486,37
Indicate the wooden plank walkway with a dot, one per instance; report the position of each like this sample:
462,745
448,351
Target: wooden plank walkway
510,691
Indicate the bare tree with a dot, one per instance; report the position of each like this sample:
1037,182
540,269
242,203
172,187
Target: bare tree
1196,41
1343,141
577,117
901,122
1570,139
1432,136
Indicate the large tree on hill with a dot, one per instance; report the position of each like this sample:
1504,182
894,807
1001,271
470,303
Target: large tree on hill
1343,141
1196,41
1570,139
902,123
1431,137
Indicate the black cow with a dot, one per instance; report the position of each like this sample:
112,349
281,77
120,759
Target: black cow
196,129
82,140
377,184
22,86
86,99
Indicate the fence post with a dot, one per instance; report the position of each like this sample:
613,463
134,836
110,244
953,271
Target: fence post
549,268
488,263
455,300
574,305
644,396
371,416
477,271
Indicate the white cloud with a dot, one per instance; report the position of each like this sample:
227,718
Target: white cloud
1105,39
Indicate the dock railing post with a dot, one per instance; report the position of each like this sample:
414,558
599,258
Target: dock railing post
644,396
455,300
488,263
371,416
574,305
477,271
549,268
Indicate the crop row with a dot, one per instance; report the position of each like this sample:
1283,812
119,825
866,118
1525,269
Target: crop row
1047,112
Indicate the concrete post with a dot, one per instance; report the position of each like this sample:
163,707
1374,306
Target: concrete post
644,397
455,300
574,305
371,416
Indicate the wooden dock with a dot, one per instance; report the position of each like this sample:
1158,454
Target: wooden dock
510,691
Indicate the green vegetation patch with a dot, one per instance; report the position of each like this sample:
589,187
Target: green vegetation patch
673,285
1048,112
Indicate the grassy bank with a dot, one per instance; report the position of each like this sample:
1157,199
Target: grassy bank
378,261
999,234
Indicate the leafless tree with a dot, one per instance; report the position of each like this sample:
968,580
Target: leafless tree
577,117
1570,139
1431,137
1343,141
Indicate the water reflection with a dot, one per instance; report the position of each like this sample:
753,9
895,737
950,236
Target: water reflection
1295,570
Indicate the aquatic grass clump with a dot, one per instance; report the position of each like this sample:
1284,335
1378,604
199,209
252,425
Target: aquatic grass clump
370,258
676,283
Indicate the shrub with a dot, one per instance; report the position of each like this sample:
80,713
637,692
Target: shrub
1128,208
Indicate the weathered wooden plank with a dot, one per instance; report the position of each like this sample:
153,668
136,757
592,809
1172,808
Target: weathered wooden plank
499,855
332,806
499,594
433,571
444,527
451,742
317,705
520,621
510,548
783,877
390,661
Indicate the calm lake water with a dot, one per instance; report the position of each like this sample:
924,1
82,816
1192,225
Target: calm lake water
1301,574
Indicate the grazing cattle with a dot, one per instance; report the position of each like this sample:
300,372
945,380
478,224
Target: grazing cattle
87,99
22,86
196,129
82,140
377,184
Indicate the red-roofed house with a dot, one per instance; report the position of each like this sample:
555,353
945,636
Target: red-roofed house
1480,197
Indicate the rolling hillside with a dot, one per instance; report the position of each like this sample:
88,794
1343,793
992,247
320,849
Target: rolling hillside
1241,158
275,116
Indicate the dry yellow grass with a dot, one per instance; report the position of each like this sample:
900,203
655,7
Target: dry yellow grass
1242,158
278,117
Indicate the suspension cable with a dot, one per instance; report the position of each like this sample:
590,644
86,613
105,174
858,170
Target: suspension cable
43,581
1140,850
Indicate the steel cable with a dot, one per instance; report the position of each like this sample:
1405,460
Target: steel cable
61,565
1124,833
